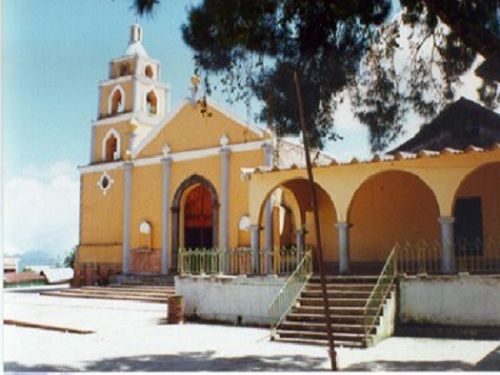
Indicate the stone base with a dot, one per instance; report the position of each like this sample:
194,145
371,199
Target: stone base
95,274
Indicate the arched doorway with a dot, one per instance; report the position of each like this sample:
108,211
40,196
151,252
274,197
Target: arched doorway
195,216
198,223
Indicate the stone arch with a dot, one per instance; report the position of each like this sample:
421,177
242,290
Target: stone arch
185,187
387,207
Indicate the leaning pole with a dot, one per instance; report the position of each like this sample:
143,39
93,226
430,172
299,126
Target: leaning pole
319,249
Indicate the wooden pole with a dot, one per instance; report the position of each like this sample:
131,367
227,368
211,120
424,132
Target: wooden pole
319,250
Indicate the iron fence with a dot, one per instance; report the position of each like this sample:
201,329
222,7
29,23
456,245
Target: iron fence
471,255
240,261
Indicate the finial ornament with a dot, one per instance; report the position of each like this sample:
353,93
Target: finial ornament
165,150
224,140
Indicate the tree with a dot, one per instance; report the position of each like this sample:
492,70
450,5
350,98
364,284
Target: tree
69,259
345,48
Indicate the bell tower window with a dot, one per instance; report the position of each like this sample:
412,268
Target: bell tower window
111,146
116,102
151,103
149,72
123,69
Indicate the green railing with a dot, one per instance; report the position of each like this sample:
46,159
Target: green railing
199,261
375,302
478,255
239,261
289,292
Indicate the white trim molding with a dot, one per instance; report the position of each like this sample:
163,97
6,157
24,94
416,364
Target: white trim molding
114,120
176,156
116,153
121,107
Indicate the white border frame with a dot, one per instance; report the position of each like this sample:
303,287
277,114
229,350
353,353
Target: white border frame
121,107
116,154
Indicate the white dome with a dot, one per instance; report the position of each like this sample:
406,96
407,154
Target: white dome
135,48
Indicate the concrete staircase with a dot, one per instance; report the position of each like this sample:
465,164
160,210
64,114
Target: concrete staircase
152,289
347,296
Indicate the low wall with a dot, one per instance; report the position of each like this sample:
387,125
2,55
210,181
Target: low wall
467,300
232,299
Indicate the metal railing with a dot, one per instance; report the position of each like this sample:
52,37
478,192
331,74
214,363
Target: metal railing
291,289
375,302
478,255
239,261
473,256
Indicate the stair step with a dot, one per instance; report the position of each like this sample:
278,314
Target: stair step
320,318
76,294
336,294
341,287
340,336
125,291
334,310
347,302
321,327
358,279
319,342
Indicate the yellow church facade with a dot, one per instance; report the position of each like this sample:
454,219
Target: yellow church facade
162,180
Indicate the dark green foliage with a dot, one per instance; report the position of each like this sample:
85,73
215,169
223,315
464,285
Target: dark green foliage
69,259
344,47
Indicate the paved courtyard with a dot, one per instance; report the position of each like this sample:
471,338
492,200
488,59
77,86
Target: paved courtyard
133,336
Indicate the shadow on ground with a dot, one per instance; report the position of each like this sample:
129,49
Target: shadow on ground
490,362
189,361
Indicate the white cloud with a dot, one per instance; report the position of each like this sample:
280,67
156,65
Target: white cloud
41,209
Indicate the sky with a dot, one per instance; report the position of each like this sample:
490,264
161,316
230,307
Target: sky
54,53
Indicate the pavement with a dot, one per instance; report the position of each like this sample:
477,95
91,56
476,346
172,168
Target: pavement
134,336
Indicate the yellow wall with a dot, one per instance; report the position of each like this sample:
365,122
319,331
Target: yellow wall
106,92
391,207
189,130
146,203
442,174
100,131
102,218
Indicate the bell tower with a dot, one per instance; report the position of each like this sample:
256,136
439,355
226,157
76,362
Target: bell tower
132,101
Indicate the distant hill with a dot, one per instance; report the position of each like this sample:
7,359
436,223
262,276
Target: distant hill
37,258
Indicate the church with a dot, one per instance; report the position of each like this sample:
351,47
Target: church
163,180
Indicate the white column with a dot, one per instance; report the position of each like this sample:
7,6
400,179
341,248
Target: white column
344,266
224,206
165,238
255,245
268,212
447,244
126,215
